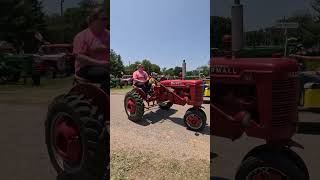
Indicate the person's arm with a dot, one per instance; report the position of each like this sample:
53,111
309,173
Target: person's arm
83,59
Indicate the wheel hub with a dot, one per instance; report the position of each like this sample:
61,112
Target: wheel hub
67,141
131,106
266,174
194,121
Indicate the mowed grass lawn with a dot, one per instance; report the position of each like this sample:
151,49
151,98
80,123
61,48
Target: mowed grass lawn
138,165
26,93
122,90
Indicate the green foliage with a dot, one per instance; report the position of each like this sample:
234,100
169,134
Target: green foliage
219,26
116,64
63,29
19,20
148,67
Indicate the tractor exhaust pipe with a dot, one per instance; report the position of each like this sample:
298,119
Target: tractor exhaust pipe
237,26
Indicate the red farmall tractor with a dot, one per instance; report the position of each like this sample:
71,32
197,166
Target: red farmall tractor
77,132
166,93
257,97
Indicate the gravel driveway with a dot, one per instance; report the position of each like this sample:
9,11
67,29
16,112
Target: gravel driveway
160,131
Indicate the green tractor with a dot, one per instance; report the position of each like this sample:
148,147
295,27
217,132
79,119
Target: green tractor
15,66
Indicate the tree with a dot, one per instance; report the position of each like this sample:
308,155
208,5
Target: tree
220,26
20,20
163,70
204,70
177,70
316,6
155,68
170,72
116,64
63,29
147,65
132,67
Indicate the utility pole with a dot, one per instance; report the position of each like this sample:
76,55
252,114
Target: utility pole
61,7
62,18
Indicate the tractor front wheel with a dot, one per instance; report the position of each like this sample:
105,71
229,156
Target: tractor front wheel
267,165
195,119
134,107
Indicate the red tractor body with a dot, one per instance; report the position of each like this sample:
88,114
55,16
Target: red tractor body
185,92
254,96
166,93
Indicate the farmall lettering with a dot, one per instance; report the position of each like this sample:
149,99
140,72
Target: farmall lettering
293,74
176,83
223,70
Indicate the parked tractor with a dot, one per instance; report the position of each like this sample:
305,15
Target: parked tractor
309,80
13,67
166,93
206,92
77,132
56,59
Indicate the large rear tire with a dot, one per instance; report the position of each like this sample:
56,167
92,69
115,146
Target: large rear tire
133,105
267,165
72,129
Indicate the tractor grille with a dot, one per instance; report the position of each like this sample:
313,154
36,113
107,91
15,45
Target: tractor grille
284,102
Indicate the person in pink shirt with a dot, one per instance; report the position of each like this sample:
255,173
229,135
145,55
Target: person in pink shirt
140,78
91,48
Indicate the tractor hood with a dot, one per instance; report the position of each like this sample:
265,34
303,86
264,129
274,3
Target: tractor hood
181,83
237,66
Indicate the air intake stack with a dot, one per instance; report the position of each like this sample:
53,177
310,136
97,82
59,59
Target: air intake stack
237,26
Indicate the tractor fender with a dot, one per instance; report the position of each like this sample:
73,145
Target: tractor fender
285,151
267,147
139,91
96,95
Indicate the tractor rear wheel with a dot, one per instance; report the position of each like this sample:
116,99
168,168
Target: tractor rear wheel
195,119
165,106
133,105
73,130
267,165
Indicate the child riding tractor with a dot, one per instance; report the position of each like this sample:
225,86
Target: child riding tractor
164,94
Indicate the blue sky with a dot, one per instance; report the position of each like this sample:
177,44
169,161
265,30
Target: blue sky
261,13
53,6
165,32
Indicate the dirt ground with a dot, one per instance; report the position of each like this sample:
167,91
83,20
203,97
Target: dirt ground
159,147
161,137
23,110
